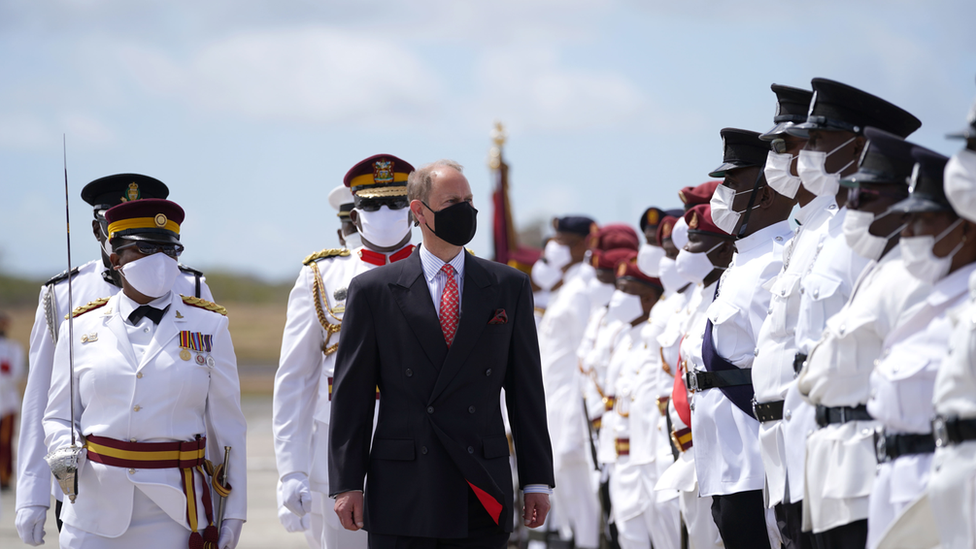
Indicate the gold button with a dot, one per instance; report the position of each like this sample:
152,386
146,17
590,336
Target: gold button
131,471
132,440
139,375
137,408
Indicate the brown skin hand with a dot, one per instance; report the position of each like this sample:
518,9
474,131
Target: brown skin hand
448,187
826,141
120,259
720,257
769,207
934,223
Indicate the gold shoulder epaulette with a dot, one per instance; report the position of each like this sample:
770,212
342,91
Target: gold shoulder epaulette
90,306
204,304
470,251
326,253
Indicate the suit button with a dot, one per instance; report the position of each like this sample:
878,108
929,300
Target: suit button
137,408
409,372
430,409
423,449
139,375
132,471
470,409
488,372
470,449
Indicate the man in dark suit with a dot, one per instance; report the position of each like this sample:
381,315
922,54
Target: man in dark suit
440,334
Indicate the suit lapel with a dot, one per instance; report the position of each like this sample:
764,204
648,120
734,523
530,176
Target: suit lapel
165,331
477,299
116,324
413,296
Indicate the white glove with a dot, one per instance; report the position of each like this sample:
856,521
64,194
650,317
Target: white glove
30,524
291,521
230,533
296,493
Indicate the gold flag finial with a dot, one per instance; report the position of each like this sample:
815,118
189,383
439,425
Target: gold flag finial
495,154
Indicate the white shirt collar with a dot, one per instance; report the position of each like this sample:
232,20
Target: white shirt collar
433,264
127,305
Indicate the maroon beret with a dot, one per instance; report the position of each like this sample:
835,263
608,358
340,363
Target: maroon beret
664,229
617,235
698,194
699,220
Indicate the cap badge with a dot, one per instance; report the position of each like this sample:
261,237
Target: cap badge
666,232
693,223
621,269
652,217
682,197
160,220
132,193
383,171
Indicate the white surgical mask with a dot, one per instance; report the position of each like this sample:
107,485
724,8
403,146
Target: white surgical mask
649,259
856,231
600,293
558,255
916,252
153,275
679,233
723,216
545,275
695,266
960,183
778,174
384,227
353,241
671,279
813,172
624,307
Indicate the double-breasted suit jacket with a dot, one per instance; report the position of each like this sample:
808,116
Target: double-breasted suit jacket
440,426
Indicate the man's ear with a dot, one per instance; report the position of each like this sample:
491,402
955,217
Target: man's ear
417,211
97,230
354,218
859,143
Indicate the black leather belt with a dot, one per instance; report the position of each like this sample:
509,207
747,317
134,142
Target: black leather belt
767,411
841,414
798,361
947,431
890,447
700,381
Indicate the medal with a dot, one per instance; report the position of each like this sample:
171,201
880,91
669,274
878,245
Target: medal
210,361
195,341
201,360
185,354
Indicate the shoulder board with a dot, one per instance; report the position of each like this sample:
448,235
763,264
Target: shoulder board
204,304
63,276
190,270
326,253
90,306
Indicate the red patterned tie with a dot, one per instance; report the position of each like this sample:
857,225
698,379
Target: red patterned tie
449,305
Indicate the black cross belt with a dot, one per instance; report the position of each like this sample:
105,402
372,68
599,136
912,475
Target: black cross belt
949,430
890,447
767,411
700,381
841,414
798,361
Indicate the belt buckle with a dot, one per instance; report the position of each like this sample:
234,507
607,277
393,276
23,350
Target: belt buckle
755,411
821,415
940,432
880,445
691,381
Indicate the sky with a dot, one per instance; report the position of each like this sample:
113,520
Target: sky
251,111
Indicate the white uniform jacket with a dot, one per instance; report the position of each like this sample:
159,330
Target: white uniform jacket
158,397
34,484
901,396
841,462
772,370
726,438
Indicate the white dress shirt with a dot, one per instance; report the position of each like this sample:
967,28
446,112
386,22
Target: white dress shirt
437,280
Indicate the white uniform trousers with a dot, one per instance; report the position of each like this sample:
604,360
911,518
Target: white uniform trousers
897,484
697,512
331,533
149,528
578,504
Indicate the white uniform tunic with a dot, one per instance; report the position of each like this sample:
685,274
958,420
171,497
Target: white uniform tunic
841,460
901,396
34,485
772,370
132,385
726,438
824,289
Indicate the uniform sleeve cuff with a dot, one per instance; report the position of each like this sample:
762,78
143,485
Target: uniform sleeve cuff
537,489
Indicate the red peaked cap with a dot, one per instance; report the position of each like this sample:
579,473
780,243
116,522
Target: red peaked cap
609,259
698,194
628,269
617,235
664,229
699,220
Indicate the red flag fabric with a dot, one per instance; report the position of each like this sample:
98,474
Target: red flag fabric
679,395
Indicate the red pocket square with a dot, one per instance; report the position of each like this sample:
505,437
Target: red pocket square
500,317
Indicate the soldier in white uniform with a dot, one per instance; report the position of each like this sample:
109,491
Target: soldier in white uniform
316,305
723,345
154,373
835,126
90,281
12,371
340,198
939,248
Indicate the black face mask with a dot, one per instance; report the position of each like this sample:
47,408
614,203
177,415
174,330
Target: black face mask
455,224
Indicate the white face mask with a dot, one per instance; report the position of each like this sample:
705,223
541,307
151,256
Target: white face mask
671,279
723,215
813,172
856,231
600,293
960,183
778,174
384,227
696,266
679,233
624,307
153,275
353,241
649,259
545,275
916,252
558,255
